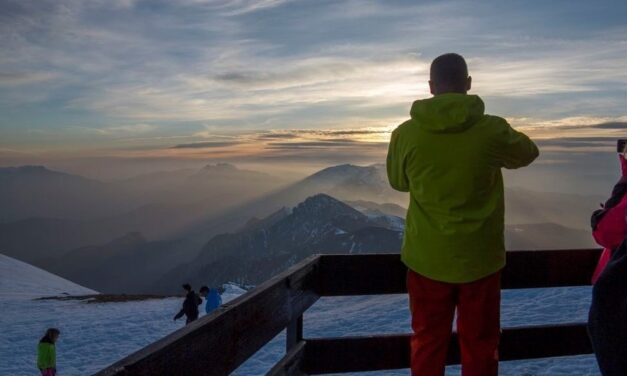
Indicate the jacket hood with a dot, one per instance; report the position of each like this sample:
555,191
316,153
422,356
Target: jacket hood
448,113
46,339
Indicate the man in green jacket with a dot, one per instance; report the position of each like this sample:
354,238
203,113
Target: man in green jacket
449,156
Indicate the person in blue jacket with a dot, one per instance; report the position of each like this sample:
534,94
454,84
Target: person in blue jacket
212,298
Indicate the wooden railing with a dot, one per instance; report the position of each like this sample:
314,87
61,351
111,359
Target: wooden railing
219,343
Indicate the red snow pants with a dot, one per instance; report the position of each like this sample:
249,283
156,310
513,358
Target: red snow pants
433,304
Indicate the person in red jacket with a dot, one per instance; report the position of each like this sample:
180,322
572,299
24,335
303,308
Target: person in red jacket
607,320
609,224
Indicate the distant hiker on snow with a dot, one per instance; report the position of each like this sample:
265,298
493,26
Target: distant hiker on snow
190,305
608,312
212,297
449,156
47,354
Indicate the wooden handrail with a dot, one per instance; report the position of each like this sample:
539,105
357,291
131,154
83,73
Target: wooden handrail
376,274
219,343
384,352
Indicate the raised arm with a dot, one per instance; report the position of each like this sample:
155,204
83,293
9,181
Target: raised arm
513,149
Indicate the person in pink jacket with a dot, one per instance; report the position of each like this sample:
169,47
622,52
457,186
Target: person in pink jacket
609,224
607,320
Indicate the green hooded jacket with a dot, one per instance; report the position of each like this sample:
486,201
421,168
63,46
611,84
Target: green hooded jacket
46,355
449,156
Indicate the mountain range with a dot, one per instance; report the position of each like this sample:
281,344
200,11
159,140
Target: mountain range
222,224
320,224
79,212
35,191
129,264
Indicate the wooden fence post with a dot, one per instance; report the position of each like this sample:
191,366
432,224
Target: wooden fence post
293,333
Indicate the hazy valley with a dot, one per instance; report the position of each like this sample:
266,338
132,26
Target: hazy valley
221,223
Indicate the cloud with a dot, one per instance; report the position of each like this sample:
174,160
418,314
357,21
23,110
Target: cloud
242,7
235,7
365,144
275,136
25,78
205,145
325,144
127,129
265,92
111,131
351,132
574,123
344,135
578,142
370,144
622,125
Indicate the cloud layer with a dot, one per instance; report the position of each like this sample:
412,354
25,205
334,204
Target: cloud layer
186,75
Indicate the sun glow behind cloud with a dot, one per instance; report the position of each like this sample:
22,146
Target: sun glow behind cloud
369,145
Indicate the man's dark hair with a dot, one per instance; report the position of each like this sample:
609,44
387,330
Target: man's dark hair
449,72
204,288
187,287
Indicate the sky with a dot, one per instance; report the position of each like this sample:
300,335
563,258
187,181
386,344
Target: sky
293,80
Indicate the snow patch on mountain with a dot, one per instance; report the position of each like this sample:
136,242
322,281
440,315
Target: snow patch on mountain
231,291
388,221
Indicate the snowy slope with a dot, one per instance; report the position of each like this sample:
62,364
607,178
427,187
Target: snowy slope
21,280
95,335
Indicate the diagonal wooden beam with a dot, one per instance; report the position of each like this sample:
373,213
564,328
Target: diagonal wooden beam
217,344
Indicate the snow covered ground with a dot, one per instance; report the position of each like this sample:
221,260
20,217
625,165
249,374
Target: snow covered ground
95,335
20,280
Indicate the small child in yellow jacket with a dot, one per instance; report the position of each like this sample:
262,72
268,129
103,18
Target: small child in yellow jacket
46,353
